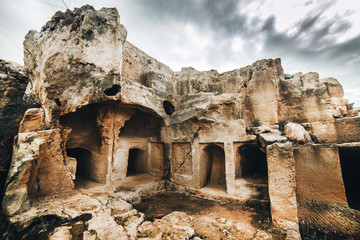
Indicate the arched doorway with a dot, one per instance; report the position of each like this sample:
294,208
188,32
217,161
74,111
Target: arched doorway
84,168
136,162
213,169
85,141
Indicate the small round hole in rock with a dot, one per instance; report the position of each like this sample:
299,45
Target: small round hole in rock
168,107
57,101
113,90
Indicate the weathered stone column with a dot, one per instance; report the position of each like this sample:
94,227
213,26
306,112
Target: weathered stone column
195,151
282,185
230,167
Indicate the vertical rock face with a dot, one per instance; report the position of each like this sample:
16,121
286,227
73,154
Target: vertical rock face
108,110
312,159
262,91
75,58
282,185
304,98
13,83
38,165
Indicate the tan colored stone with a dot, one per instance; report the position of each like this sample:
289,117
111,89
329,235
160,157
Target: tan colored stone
109,110
33,120
295,132
61,233
270,138
304,99
67,80
261,129
182,162
261,92
318,173
37,168
90,235
176,225
334,87
282,185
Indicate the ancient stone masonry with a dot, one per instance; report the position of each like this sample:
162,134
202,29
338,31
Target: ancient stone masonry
110,112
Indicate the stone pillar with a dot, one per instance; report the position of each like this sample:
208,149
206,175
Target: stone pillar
230,167
282,186
195,151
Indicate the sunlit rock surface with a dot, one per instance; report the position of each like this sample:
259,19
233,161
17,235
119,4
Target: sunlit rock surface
115,125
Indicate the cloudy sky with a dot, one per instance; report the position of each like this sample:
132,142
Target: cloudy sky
308,35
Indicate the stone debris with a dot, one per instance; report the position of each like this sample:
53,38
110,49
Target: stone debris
296,132
109,124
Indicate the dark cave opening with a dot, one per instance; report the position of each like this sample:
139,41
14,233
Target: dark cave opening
350,165
136,162
83,157
168,107
57,101
253,163
115,89
85,134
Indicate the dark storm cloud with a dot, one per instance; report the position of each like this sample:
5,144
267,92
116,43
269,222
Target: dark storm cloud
314,40
311,42
308,23
313,36
219,16
269,25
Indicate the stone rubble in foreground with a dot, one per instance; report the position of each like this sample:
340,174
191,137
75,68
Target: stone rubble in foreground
116,125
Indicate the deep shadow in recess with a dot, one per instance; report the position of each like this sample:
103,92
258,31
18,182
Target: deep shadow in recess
136,162
83,158
253,163
215,166
168,107
350,165
115,89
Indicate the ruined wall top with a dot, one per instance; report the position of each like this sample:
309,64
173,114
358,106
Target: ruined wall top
82,57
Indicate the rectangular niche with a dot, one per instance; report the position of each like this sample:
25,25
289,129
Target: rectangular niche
181,159
212,165
156,159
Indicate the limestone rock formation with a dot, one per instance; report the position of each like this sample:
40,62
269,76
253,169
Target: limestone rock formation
296,132
13,81
69,60
115,124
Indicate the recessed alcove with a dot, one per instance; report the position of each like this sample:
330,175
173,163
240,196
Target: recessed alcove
136,162
212,171
141,125
168,107
251,163
350,165
84,143
83,167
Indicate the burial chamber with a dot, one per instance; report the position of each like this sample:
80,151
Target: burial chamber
110,111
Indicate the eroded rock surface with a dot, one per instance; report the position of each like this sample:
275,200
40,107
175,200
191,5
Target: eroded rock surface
69,60
114,125
13,81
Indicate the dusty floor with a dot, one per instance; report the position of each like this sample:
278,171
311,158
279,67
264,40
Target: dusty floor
239,219
140,208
